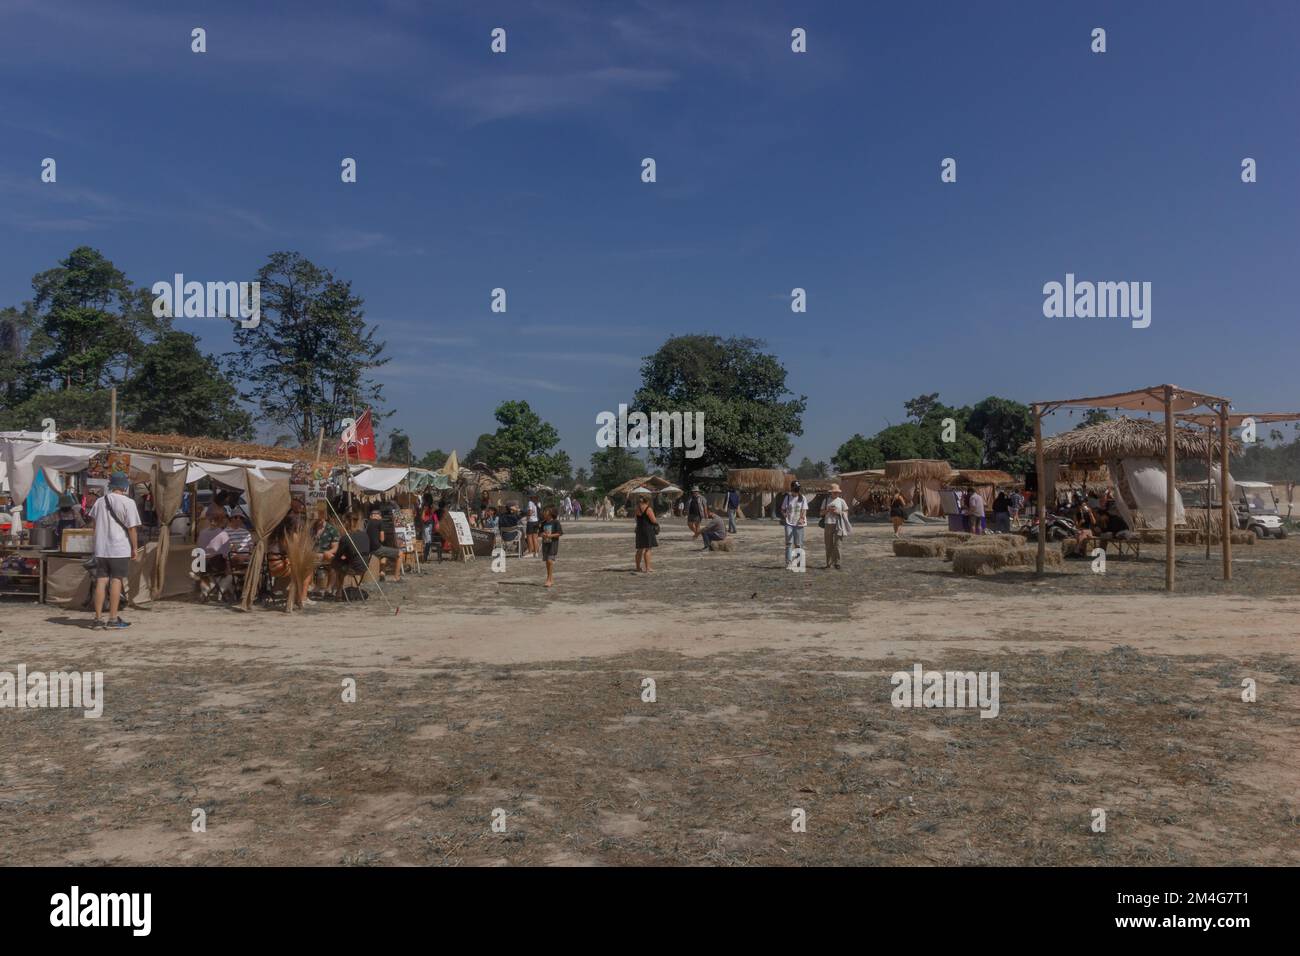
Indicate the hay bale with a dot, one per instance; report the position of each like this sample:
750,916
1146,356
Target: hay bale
925,548
1243,537
726,545
990,560
984,541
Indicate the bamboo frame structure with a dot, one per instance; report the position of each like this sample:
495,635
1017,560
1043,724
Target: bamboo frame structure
1165,398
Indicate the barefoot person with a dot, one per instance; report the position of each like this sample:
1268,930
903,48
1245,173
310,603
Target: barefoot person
647,533
550,532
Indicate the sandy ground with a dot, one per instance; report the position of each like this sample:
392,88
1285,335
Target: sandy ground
479,692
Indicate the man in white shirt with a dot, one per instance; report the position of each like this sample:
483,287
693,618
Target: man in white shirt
116,519
794,518
975,510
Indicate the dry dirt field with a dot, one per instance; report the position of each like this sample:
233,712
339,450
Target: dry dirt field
487,692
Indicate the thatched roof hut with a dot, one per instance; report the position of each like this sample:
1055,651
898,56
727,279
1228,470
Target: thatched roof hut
772,480
917,469
655,483
1123,437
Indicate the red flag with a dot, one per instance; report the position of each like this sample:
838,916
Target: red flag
359,440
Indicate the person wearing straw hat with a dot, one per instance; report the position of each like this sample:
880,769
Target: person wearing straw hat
835,525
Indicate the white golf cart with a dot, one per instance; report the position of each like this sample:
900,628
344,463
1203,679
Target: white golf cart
1257,509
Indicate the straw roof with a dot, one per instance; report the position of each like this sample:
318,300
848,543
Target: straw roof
1083,474
1122,438
655,483
981,476
916,469
758,479
212,449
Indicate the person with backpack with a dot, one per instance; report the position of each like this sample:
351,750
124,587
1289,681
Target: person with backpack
116,519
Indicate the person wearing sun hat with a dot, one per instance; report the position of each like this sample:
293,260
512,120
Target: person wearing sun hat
835,525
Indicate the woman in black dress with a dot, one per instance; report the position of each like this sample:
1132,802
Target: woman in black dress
647,533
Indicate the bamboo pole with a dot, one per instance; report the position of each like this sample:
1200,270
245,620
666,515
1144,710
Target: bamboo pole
1209,459
112,418
1223,491
1170,490
1042,490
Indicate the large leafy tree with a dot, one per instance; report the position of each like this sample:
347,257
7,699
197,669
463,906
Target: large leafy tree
527,446
610,467
22,343
399,447
93,321
176,388
308,363
1003,426
483,451
749,414
433,460
858,454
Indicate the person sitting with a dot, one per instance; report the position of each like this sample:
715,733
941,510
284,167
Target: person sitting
1088,527
508,526
712,530
68,516
241,540
352,554
490,519
382,543
215,579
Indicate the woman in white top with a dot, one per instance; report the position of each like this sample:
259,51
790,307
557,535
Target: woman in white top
835,521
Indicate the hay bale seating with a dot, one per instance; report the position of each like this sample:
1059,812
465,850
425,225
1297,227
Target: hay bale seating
984,541
980,559
725,545
924,548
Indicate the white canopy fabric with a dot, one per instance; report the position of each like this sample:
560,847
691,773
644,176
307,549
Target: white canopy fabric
1141,400
378,480
22,458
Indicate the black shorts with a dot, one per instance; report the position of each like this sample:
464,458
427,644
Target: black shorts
385,552
111,567
550,550
534,527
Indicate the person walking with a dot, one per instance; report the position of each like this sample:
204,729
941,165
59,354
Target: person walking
116,520
647,533
794,519
1017,504
897,512
551,530
696,509
733,505
835,525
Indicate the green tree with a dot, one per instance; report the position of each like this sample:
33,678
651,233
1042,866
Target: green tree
485,451
92,319
807,468
526,445
399,447
433,460
69,407
22,342
175,388
741,391
308,363
1093,416
610,467
921,406
1003,426
858,454
580,477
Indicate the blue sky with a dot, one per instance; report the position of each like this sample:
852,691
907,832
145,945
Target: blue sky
775,170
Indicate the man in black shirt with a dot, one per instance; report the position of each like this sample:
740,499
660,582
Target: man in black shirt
382,540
